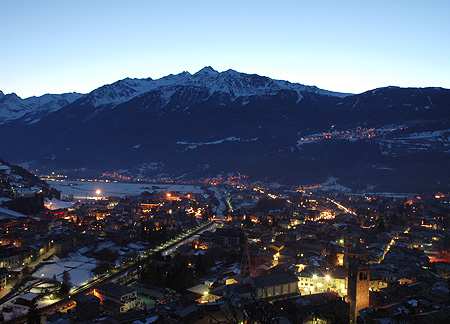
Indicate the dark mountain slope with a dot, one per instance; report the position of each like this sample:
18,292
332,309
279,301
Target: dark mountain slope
210,123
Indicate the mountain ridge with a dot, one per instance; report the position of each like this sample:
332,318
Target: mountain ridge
230,82
203,125
13,107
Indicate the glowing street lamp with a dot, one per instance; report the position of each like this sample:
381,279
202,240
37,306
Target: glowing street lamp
98,192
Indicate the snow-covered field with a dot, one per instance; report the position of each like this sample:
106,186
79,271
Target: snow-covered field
7,213
222,207
77,265
87,189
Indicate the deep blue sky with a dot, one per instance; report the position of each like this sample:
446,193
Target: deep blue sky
347,46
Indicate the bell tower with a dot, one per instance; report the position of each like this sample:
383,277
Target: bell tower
358,288
245,262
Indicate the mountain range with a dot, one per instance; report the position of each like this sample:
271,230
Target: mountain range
211,124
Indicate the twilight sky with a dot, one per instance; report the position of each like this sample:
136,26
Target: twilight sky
347,46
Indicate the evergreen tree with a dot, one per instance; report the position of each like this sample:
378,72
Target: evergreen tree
63,289
66,278
381,227
200,266
446,242
33,316
333,259
394,219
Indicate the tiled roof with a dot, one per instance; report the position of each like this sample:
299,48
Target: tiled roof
275,279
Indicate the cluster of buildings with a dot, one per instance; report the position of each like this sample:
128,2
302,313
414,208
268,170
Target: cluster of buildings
313,260
280,255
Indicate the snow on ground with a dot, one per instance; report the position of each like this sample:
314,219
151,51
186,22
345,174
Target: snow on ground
222,207
432,135
7,213
135,246
245,205
87,189
46,301
148,320
18,310
388,194
56,203
77,265
104,245
228,139
331,184
4,167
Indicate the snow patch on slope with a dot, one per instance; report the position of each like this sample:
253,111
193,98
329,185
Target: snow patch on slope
434,135
191,146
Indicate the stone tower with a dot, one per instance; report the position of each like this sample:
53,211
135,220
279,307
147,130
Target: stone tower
245,262
358,288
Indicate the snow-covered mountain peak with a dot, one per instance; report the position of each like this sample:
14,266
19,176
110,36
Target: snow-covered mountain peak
117,92
127,89
231,72
13,107
173,79
12,96
206,71
185,73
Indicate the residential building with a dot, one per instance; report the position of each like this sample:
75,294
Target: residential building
116,298
87,307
